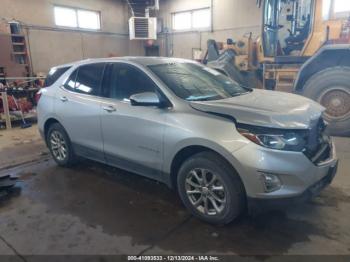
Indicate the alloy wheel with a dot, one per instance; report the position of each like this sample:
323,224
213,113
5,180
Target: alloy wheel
58,146
205,191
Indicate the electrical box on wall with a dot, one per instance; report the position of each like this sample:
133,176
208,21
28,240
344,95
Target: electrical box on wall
143,28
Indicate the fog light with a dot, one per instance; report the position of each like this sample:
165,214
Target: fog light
271,182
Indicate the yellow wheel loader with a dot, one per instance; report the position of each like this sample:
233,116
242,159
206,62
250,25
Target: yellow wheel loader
304,48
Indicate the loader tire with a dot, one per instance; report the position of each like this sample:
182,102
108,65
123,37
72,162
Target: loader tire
331,88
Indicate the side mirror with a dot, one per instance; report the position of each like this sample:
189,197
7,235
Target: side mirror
145,99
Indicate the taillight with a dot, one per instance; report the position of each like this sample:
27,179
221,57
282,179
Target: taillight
37,96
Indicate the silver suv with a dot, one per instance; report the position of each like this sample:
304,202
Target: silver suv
222,146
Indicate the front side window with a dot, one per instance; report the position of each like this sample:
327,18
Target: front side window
194,82
127,80
77,18
86,79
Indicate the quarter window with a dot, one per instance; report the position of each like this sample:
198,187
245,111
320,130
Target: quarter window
54,74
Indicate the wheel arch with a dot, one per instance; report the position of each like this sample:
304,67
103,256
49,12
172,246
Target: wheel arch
48,123
190,150
327,57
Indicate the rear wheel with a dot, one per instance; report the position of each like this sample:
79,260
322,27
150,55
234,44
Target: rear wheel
60,145
210,189
331,88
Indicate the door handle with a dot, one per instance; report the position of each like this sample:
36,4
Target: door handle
109,109
63,99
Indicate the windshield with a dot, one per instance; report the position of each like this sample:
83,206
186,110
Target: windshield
194,82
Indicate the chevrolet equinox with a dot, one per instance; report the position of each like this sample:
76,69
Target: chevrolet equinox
222,146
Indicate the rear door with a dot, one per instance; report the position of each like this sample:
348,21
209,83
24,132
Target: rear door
78,108
133,135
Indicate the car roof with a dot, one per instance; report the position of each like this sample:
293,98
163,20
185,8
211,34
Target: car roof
141,60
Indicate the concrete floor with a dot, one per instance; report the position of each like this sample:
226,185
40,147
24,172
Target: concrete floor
94,209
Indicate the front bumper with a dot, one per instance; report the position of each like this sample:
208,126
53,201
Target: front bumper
255,205
296,172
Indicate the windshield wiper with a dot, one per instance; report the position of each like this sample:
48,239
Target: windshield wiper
247,88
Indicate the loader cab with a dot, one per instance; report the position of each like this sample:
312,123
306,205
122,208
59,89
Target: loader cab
287,24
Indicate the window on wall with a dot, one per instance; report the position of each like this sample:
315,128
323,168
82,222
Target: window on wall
341,6
77,18
192,20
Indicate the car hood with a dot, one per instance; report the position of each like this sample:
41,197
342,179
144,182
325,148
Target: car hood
266,108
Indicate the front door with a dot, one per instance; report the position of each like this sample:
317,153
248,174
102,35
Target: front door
133,135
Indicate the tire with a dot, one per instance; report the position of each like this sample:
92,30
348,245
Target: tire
57,133
331,88
233,196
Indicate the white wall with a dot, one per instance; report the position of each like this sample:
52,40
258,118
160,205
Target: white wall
51,45
231,19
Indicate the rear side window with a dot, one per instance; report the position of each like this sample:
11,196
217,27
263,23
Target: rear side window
54,74
86,79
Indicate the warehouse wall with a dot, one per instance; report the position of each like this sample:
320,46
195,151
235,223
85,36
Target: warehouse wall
231,19
50,45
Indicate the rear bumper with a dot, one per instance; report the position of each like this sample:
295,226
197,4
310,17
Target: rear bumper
256,205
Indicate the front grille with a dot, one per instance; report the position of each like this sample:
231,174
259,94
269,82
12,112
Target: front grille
319,146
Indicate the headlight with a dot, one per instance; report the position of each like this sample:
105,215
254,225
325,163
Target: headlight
275,139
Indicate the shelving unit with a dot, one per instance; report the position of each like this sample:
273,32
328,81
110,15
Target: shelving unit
19,48
15,68
14,57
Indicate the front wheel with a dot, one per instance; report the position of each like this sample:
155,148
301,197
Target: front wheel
331,88
210,189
